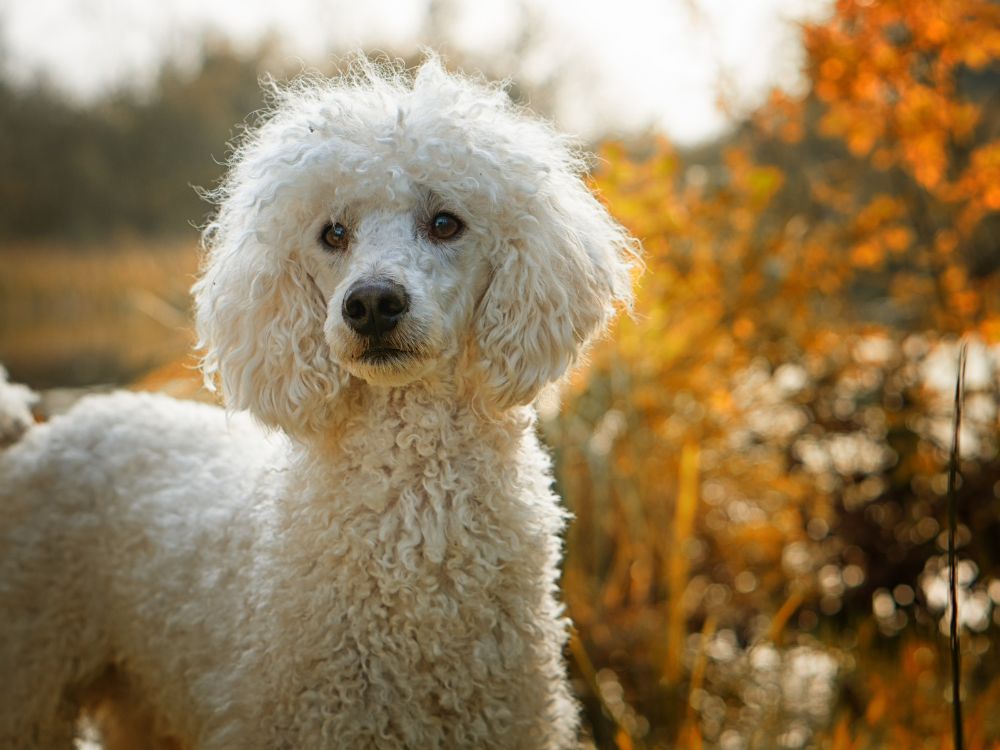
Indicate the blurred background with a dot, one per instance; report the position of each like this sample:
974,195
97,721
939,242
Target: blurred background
757,460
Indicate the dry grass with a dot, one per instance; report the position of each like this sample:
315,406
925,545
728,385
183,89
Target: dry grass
84,315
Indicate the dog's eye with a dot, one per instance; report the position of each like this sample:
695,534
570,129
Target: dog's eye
445,226
334,236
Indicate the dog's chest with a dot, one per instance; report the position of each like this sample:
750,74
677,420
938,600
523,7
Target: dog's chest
420,613
412,577
427,608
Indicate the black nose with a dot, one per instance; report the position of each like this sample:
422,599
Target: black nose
373,308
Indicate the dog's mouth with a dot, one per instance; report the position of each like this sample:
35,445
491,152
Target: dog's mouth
396,359
386,355
379,364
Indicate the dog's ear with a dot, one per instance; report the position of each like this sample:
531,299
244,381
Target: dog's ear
556,283
259,319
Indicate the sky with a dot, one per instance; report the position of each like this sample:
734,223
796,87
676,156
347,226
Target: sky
618,66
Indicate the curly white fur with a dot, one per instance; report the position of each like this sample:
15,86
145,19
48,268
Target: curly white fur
380,569
15,409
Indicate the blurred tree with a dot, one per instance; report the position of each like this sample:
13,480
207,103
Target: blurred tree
127,163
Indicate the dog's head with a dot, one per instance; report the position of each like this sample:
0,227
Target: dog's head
387,231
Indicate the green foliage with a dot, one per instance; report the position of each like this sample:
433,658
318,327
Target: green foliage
127,164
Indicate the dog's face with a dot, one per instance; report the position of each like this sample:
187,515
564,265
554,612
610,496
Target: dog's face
400,277
384,231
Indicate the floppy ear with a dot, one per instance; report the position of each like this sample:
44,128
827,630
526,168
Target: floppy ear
555,285
259,319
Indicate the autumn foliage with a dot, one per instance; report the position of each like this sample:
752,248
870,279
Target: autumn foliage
756,459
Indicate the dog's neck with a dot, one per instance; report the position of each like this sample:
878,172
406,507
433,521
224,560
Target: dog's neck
395,437
446,509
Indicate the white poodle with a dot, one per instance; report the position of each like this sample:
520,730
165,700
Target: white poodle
397,268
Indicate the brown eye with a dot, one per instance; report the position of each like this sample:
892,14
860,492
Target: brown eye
334,236
445,226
